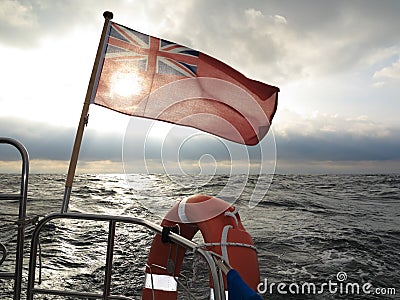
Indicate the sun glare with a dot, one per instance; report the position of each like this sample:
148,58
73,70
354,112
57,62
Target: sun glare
126,84
160,129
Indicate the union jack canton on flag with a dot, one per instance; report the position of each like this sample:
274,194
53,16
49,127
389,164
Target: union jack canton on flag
151,54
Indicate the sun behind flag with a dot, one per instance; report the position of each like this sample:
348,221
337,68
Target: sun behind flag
150,77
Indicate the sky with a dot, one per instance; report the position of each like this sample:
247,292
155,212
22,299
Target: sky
337,64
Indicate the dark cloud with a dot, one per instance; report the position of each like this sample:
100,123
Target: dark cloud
48,142
293,148
336,146
284,40
42,141
24,23
275,39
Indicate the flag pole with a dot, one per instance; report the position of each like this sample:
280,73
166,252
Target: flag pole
84,115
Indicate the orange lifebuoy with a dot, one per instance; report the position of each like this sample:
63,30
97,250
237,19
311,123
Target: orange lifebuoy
223,233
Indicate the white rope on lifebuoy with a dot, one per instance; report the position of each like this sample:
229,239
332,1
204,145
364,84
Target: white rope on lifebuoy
181,211
232,214
235,244
224,240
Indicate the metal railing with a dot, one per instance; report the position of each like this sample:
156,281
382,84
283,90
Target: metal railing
21,221
217,281
215,272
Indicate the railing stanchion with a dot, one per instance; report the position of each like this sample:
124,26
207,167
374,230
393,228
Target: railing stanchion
109,259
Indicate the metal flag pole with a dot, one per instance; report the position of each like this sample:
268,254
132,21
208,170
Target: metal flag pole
84,116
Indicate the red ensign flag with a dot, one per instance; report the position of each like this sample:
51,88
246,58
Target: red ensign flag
150,77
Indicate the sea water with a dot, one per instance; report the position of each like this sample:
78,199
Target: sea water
316,235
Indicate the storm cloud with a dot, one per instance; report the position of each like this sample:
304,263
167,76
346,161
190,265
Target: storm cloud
275,39
293,146
46,142
339,147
